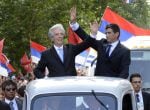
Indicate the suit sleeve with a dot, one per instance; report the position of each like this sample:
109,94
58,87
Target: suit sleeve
7,107
40,69
125,63
4,106
146,100
84,36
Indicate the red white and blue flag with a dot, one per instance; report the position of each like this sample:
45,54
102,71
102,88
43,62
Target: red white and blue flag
5,66
128,29
36,50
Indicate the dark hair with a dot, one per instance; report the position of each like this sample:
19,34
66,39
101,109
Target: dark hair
114,27
8,83
135,75
21,90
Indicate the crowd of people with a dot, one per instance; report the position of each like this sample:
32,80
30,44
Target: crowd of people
113,60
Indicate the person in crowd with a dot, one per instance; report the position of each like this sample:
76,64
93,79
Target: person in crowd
9,88
4,106
60,58
82,71
21,91
142,98
113,58
1,94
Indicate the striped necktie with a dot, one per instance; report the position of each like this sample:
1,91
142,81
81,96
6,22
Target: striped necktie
108,50
137,98
11,105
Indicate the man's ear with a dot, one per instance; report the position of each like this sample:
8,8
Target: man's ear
117,34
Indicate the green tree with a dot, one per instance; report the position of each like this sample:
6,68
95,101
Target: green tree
25,20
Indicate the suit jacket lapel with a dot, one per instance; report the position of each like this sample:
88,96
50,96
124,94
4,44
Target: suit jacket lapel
19,103
116,49
54,52
144,98
65,54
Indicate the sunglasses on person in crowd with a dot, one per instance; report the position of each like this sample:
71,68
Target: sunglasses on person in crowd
10,89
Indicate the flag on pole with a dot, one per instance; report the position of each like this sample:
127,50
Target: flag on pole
127,29
1,45
36,50
5,66
26,63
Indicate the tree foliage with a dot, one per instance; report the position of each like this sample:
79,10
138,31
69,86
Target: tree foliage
25,20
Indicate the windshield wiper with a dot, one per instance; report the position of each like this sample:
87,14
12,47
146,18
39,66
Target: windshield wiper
101,103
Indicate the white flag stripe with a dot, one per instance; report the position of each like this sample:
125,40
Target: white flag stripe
3,71
80,59
35,59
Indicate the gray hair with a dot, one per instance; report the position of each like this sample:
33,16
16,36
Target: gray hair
56,26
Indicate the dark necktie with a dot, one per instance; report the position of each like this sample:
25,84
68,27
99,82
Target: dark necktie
108,49
11,105
137,98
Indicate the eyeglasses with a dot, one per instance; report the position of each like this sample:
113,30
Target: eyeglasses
10,89
136,82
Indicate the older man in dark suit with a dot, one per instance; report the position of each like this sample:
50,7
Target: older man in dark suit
4,106
113,58
142,98
60,58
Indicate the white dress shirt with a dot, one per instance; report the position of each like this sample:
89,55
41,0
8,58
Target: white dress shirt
113,46
140,104
58,51
14,103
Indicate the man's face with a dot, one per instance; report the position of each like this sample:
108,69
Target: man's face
111,36
136,83
10,92
58,37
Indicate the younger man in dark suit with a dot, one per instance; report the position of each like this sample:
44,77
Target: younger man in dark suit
60,58
113,58
142,98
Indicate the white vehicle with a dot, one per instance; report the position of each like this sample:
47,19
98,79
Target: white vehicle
75,93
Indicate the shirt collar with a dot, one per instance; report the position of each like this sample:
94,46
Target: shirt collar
138,92
56,47
8,101
114,44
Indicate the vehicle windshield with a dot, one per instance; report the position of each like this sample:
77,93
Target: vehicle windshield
68,101
140,61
